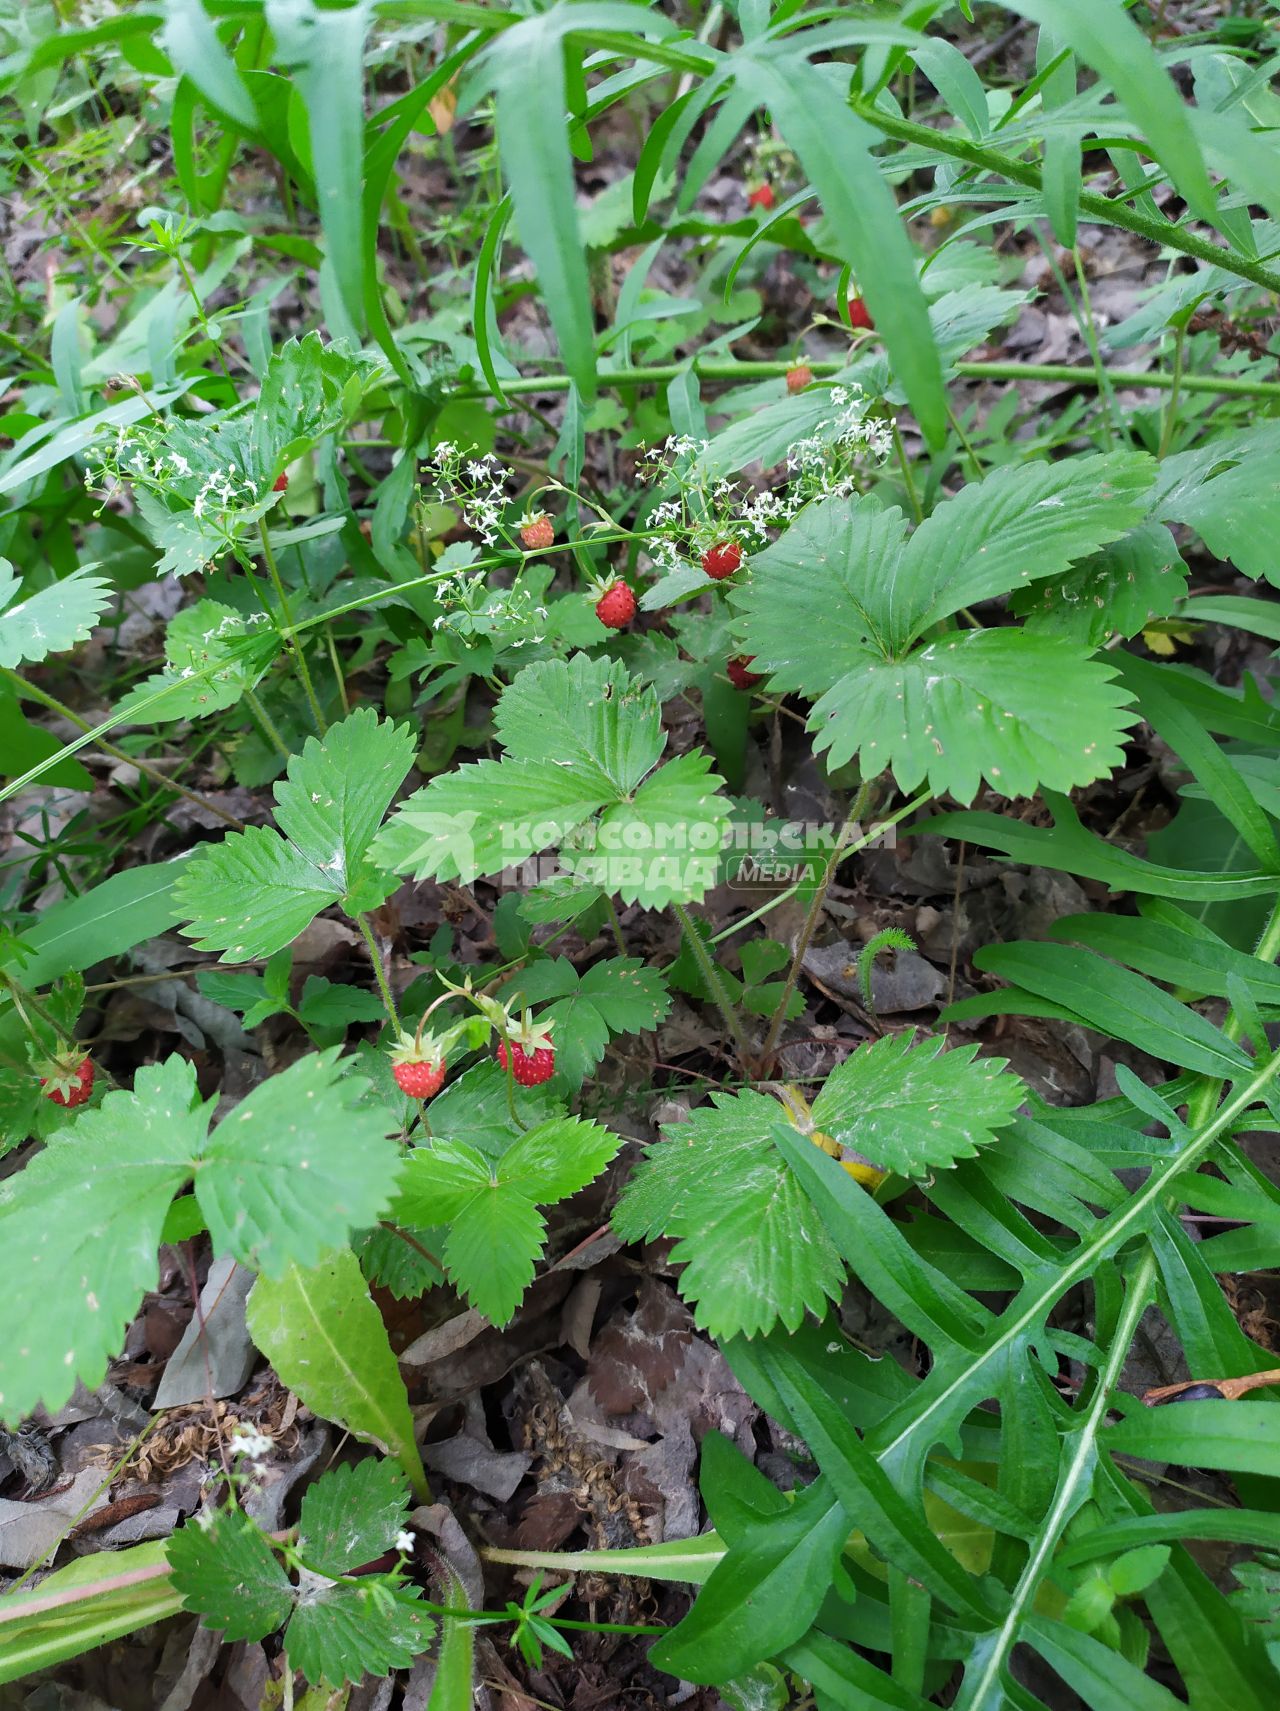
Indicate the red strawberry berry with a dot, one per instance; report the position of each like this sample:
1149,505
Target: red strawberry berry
530,1069
799,377
722,560
419,1078
616,607
282,481
537,533
740,674
72,1086
859,316
761,197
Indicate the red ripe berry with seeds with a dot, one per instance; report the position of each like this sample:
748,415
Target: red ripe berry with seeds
859,316
530,1069
281,483
799,377
419,1078
70,1084
761,197
722,560
616,607
537,533
740,674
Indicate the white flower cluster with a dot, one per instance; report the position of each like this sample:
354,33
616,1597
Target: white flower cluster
253,1446
472,608
704,510
477,485
142,457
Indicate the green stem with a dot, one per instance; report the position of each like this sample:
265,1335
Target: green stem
34,691
1171,409
273,571
810,926
984,1690
904,464
711,974
336,663
375,957
729,368
264,719
1111,211
615,925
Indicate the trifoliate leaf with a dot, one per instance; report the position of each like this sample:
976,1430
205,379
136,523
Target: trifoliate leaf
913,1108
339,1633
296,1167
254,893
620,996
1022,523
973,706
754,1249
1117,591
352,1515
476,1109
80,1231
495,1230
227,1572
51,619
324,1005
581,738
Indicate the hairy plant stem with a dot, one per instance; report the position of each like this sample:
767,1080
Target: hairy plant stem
711,974
615,925
732,368
273,571
384,987
145,767
816,903
984,1691
268,724
1111,211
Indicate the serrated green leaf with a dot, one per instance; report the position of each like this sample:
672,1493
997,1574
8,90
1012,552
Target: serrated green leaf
352,1515
80,1232
50,620
912,1108
1118,590
296,1167
206,635
476,1109
492,1248
755,1252
310,389
324,1005
254,892
340,1633
585,712
321,1331
619,996
556,1158
227,1572
972,706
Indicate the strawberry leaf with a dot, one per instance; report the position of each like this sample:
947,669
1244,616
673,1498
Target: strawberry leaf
296,1167
52,618
1119,589
310,389
496,1232
255,891
227,1572
913,1108
972,706
80,1230
352,1515
582,739
755,1251
620,996
228,648
339,1633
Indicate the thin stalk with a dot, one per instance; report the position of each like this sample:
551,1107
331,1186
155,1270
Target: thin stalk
904,464
729,368
615,925
711,974
145,767
1111,211
273,571
384,987
336,663
1175,393
269,728
984,1688
810,926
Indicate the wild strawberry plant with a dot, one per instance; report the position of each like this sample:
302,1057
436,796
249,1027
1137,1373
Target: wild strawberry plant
301,420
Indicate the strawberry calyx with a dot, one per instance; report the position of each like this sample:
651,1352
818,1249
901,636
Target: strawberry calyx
68,1078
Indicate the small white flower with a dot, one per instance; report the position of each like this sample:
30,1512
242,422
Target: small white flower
404,1541
253,1446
